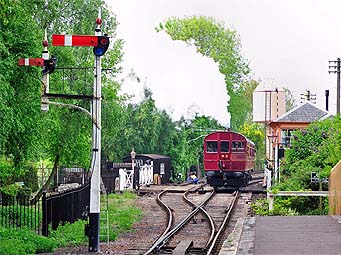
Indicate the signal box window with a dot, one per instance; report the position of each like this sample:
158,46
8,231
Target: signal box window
238,146
224,146
211,146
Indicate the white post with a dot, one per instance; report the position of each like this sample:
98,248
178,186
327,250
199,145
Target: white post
45,79
276,162
122,177
151,173
94,216
268,183
271,203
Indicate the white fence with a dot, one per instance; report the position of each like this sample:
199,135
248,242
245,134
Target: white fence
146,175
127,177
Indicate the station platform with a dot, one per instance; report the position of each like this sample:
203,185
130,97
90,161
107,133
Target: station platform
294,235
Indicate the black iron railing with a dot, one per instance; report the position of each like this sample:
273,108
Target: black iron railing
18,212
68,206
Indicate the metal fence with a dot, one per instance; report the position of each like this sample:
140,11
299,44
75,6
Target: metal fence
18,212
65,207
69,206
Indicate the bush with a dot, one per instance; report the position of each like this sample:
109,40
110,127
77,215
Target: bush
24,241
69,234
10,190
281,208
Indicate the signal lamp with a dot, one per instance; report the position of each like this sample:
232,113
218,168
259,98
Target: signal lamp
49,65
102,45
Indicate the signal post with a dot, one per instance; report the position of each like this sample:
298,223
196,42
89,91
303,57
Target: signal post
100,43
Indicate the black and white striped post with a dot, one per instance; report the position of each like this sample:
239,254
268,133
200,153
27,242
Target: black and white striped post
94,216
101,44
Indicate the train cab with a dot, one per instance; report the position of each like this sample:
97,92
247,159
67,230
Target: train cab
229,158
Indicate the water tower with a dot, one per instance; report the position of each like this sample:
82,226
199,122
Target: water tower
268,105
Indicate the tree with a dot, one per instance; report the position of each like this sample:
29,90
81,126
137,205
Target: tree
289,100
241,104
25,132
20,90
213,40
255,132
188,143
314,149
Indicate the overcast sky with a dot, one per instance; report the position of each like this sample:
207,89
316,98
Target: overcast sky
288,43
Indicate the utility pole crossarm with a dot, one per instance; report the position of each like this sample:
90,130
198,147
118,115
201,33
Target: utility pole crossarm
337,70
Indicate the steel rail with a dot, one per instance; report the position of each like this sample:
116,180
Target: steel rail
169,211
223,224
170,221
163,240
208,217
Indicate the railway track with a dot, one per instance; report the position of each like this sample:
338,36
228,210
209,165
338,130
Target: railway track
188,223
197,224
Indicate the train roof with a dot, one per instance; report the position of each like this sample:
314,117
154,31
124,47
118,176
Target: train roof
223,131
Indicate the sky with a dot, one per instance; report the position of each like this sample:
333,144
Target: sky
287,43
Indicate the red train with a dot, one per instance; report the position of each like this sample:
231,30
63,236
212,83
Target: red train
229,159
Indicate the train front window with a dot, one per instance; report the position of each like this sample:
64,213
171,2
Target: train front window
211,146
238,146
224,146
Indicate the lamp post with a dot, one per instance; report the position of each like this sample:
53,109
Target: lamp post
274,142
133,155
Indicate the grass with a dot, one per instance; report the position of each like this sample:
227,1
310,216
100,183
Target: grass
122,214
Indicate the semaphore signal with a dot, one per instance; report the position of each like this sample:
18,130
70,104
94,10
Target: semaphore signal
74,40
30,62
100,43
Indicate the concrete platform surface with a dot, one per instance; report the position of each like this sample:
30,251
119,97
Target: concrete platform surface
296,235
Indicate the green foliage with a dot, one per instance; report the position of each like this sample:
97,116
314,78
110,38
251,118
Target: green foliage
9,173
213,40
289,100
307,141
281,208
69,234
260,207
188,144
255,132
10,190
23,241
314,149
25,132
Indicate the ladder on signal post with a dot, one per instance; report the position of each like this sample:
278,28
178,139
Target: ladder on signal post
104,219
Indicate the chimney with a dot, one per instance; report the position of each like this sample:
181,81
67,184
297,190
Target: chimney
327,100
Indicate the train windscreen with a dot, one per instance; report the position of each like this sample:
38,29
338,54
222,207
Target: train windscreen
224,146
238,146
211,146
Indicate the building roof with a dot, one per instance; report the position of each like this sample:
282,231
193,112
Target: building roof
150,156
305,112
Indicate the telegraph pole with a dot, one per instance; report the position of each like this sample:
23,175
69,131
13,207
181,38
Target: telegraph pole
308,97
336,68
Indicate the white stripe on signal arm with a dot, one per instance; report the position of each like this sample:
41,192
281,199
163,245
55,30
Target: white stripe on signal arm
27,62
68,40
